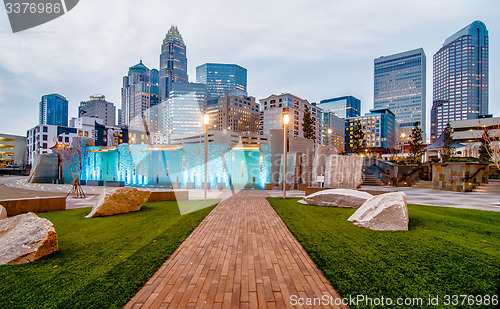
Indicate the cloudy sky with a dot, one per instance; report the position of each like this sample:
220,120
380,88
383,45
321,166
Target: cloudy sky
315,49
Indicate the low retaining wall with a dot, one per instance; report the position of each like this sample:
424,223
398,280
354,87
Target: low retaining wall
161,196
461,177
36,204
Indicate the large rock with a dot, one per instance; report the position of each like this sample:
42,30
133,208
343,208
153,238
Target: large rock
385,212
120,200
3,213
337,198
26,238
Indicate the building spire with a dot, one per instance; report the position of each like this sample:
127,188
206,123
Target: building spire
173,35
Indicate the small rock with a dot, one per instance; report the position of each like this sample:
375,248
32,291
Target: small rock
3,213
120,200
385,212
26,238
346,198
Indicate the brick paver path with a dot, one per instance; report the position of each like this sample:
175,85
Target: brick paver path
241,256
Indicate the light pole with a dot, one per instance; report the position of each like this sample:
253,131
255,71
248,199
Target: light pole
206,120
403,137
329,137
286,119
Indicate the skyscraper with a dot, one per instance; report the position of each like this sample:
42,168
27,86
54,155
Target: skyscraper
98,107
140,98
399,85
460,78
220,77
173,62
54,110
183,110
344,107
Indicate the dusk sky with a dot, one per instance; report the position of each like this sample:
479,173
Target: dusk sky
314,49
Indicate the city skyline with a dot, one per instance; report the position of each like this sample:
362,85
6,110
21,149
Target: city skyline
339,54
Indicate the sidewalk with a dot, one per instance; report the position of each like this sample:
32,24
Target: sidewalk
241,256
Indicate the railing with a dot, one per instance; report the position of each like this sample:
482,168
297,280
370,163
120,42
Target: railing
474,175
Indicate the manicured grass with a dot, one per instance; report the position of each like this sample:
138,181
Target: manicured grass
447,251
102,262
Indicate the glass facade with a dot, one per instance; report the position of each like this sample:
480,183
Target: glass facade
220,78
53,110
173,62
344,107
460,78
332,130
400,85
183,110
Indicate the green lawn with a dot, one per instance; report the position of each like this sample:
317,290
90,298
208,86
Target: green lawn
101,262
447,251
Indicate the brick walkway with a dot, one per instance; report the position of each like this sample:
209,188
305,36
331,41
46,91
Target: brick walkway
241,256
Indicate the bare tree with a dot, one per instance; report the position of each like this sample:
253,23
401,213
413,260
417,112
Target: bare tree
72,156
489,139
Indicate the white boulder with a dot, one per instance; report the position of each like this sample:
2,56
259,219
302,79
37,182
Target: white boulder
120,200
385,212
3,213
26,238
346,198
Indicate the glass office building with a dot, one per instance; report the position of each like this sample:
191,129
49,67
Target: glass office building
344,107
399,85
173,62
53,110
460,78
220,77
183,110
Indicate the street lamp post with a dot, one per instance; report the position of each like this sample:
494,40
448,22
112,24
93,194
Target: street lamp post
286,119
206,120
403,137
329,137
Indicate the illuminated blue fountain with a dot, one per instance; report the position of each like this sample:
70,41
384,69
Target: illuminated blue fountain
179,166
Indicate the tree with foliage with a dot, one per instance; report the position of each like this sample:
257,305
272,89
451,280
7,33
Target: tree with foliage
358,138
447,150
416,141
308,125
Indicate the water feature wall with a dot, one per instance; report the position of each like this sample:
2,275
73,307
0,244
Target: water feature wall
179,167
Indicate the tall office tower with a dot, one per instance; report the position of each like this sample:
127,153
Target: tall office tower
235,111
220,77
183,110
98,107
173,62
119,116
460,78
275,106
54,110
344,107
140,98
333,130
399,85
